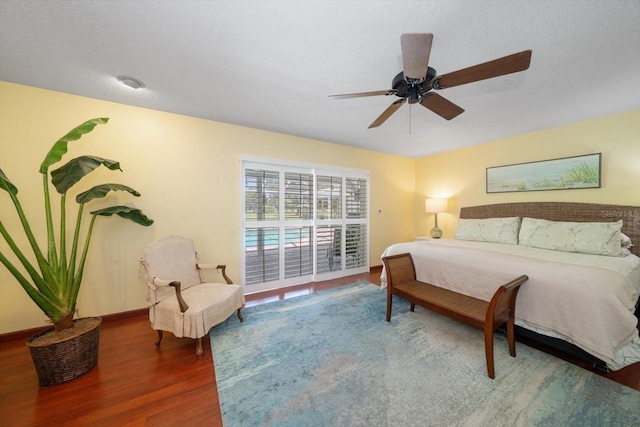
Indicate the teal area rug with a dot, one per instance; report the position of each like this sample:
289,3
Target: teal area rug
330,359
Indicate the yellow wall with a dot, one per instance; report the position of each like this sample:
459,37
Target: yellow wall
460,174
188,171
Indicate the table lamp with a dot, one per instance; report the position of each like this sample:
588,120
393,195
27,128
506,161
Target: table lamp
435,206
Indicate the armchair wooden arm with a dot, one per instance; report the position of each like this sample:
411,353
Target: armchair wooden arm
181,302
221,267
176,285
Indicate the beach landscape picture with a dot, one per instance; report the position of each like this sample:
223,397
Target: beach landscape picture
557,174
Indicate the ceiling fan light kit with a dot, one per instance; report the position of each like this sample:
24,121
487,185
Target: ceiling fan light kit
417,81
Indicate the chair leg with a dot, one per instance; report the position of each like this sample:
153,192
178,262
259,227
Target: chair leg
240,315
159,339
488,349
413,306
199,347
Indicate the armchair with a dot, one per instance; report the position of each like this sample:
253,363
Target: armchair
180,302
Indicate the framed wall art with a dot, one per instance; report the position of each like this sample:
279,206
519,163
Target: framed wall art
558,174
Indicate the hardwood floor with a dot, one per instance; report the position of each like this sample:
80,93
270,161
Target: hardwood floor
135,384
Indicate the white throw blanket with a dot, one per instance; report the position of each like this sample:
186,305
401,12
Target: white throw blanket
587,300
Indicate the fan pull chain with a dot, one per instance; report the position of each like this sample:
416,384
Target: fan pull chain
409,118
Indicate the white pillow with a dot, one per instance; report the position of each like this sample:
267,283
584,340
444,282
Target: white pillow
626,244
597,238
496,230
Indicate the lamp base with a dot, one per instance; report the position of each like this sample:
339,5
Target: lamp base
436,233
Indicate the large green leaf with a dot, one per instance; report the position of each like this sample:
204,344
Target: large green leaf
66,176
59,149
102,190
133,214
7,185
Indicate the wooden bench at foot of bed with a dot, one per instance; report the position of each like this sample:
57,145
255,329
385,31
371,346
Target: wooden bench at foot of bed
401,281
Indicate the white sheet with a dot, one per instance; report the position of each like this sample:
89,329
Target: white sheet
587,300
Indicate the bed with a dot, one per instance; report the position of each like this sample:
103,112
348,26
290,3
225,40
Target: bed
582,296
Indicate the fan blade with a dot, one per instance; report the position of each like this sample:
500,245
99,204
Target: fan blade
387,113
441,106
416,48
362,94
497,67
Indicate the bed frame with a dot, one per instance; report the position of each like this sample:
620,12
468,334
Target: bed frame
565,211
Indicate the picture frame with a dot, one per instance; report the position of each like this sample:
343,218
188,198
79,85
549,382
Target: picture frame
567,173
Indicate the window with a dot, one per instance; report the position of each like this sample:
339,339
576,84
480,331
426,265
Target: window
302,223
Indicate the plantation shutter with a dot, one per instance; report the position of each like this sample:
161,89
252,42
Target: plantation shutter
298,252
329,247
301,223
356,198
261,242
356,230
329,197
298,195
356,246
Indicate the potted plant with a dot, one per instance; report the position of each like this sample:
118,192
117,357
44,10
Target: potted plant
54,279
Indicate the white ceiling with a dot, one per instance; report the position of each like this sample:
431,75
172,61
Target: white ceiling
272,64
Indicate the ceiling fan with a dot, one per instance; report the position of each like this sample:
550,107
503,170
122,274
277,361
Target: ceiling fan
415,84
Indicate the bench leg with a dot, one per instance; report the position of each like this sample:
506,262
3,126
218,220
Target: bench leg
413,307
488,349
511,335
389,298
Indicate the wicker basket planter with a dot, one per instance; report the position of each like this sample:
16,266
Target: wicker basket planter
63,356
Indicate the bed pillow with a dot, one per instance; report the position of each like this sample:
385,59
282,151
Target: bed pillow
597,238
626,244
495,230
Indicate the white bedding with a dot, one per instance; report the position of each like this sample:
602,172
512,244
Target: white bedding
587,300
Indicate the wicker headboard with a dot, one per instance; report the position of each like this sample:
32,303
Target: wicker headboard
565,211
